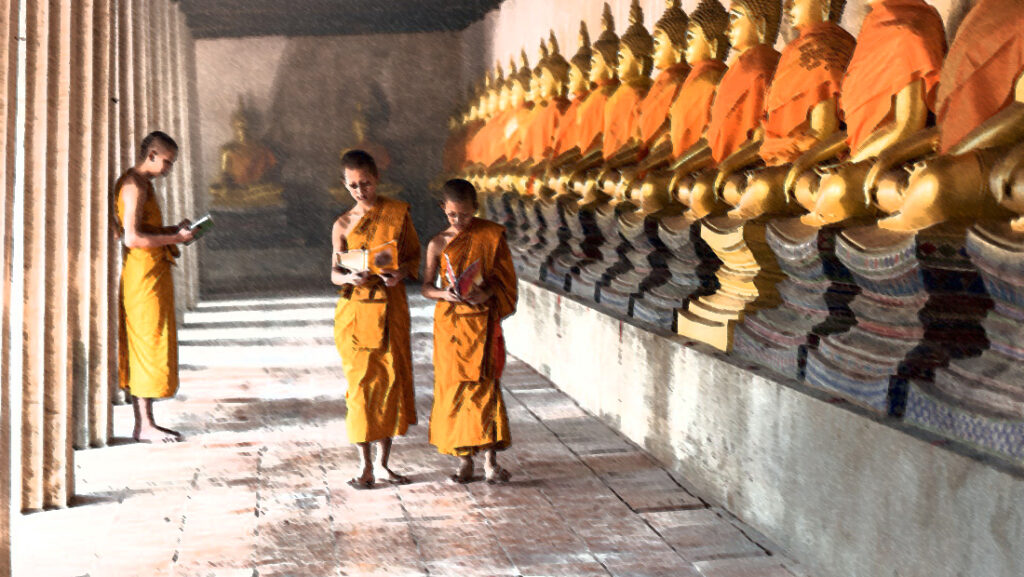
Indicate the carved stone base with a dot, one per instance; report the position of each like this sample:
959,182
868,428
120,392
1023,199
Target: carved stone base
815,297
588,273
919,306
747,280
980,399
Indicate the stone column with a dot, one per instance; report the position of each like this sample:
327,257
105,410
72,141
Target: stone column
195,198
114,162
8,84
126,83
139,105
101,370
80,264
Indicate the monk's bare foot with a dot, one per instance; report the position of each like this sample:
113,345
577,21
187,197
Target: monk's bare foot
394,478
497,474
155,434
465,472
364,481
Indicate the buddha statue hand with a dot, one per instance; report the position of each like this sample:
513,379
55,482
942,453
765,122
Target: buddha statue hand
1007,183
803,173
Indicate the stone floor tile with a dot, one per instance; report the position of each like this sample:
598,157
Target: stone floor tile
258,488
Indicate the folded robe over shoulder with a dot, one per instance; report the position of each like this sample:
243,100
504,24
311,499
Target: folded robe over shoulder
469,351
148,348
371,331
691,111
740,100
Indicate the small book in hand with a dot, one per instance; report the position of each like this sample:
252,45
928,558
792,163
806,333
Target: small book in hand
463,283
377,260
200,228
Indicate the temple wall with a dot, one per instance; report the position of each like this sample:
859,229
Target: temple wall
847,493
305,92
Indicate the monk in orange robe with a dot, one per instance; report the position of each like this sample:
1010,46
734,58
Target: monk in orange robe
740,100
810,72
148,351
371,320
900,42
478,290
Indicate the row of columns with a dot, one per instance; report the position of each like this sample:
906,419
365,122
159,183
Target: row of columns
81,82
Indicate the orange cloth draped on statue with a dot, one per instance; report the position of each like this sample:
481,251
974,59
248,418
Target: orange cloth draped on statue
590,119
740,100
511,141
246,164
371,331
543,123
654,110
810,71
691,111
148,348
982,68
567,135
469,351
900,42
622,117
472,140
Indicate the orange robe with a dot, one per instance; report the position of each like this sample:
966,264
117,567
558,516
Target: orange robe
148,348
590,119
539,136
654,110
469,351
567,135
371,331
900,42
510,142
622,117
740,100
473,140
981,71
247,163
810,72
691,111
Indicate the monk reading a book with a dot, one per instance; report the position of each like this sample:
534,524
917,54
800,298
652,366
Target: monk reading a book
148,351
477,290
375,247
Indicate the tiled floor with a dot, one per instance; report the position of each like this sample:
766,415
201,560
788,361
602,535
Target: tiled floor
258,488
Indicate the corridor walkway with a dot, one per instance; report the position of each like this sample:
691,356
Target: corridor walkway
258,488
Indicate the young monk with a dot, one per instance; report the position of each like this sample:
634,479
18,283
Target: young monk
371,321
469,351
148,351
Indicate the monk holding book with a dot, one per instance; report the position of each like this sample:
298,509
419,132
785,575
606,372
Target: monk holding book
477,290
375,248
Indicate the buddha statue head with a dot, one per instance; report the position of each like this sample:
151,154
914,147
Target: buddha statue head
505,88
579,67
804,13
519,82
753,22
605,60
554,72
706,33
670,36
359,124
240,122
494,92
635,47
536,75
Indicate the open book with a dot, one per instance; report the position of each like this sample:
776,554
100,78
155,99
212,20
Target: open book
379,259
200,228
463,283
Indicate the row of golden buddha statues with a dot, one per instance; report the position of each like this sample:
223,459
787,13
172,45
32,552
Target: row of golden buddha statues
847,211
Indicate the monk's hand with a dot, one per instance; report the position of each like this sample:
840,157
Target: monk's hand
359,278
451,296
184,235
392,277
477,296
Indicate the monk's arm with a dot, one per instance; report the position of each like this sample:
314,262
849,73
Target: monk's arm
136,234
428,289
341,276
911,115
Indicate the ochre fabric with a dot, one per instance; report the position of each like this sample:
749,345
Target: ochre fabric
542,124
567,135
246,164
810,71
900,42
371,331
590,119
513,136
654,110
473,140
740,100
469,351
982,68
622,117
691,111
148,348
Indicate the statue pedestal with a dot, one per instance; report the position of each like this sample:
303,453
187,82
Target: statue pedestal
585,282
531,246
980,398
690,265
623,279
815,297
919,298
746,279
555,236
584,245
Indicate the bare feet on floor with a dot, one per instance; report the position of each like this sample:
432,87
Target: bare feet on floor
497,474
155,434
465,473
394,478
363,481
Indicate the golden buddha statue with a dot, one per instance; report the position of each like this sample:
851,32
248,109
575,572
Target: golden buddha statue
566,147
980,117
362,141
888,93
247,178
